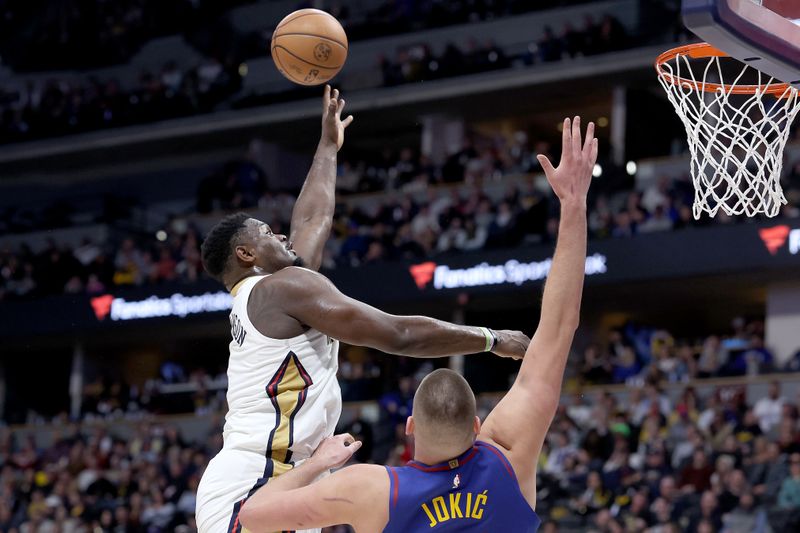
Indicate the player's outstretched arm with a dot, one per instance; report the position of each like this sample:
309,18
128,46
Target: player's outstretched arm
357,495
520,421
311,299
313,212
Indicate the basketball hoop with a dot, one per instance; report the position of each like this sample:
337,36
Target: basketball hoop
736,130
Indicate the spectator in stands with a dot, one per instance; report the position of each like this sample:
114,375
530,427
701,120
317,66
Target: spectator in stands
594,498
768,409
708,511
696,476
746,517
789,495
605,522
159,514
560,452
658,221
549,46
753,360
712,357
129,264
787,515
610,36
767,472
597,367
623,225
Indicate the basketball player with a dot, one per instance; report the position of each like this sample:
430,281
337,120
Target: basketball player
286,324
465,476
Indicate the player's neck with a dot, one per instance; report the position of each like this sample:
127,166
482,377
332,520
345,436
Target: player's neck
439,454
240,276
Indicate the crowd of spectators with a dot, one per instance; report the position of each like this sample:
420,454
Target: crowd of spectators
93,268
637,354
424,217
632,355
60,107
79,34
98,481
660,463
716,463
647,461
416,62
389,17
75,34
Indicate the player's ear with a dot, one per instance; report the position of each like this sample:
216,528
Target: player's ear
244,254
476,425
410,425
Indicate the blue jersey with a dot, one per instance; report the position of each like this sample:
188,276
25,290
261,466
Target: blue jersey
477,491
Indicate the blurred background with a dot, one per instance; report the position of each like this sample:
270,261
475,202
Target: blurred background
128,128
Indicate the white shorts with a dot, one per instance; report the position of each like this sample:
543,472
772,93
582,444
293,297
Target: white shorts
226,483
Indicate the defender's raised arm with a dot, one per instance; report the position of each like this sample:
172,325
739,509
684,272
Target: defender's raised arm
520,421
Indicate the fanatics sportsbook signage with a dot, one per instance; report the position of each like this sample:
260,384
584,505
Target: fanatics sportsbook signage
511,272
775,237
180,305
715,250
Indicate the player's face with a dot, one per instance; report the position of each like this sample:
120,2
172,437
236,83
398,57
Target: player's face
273,251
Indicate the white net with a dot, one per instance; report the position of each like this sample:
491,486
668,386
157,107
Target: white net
736,133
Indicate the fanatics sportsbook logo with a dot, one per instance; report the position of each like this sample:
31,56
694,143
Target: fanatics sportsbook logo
102,306
775,237
153,307
512,271
422,273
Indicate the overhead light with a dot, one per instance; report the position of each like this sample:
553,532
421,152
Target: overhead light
161,235
602,122
597,171
630,168
243,70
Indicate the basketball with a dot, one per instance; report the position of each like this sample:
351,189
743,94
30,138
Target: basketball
309,47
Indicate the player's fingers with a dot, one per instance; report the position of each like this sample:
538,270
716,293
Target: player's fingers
566,138
546,165
576,136
587,144
593,157
346,438
346,122
340,106
335,94
355,446
326,98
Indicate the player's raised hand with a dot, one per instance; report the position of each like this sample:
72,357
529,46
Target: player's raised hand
332,124
511,344
570,180
335,451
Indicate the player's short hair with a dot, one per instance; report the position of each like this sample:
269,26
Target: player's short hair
444,406
217,249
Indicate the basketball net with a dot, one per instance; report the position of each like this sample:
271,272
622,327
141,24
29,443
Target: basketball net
736,132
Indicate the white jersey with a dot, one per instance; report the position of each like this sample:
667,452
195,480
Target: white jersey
283,399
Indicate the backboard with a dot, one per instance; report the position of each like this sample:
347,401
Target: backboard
765,34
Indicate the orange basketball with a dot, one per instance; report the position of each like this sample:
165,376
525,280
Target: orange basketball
309,47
